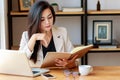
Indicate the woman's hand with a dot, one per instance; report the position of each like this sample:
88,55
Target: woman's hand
34,38
39,36
66,63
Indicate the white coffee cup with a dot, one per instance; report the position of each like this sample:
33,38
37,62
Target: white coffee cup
85,69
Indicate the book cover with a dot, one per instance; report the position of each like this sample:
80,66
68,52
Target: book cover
80,51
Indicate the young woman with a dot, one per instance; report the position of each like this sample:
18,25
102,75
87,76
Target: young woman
42,36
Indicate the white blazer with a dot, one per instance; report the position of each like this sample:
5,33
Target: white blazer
61,41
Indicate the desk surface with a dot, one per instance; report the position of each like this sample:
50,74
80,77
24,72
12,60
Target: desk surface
99,73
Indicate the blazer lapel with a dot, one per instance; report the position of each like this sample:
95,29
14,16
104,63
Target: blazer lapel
58,39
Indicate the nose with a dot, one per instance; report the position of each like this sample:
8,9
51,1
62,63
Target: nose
47,21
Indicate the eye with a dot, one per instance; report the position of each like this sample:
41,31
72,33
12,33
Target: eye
50,17
42,19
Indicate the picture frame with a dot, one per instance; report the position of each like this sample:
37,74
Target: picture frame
102,32
24,5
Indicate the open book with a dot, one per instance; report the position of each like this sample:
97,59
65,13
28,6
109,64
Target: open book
51,56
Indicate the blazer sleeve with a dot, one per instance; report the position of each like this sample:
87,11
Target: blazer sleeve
24,44
68,44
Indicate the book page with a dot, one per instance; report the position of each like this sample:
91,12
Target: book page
80,51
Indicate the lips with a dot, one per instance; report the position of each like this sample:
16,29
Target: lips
47,26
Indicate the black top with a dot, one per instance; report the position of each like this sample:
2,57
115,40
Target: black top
50,48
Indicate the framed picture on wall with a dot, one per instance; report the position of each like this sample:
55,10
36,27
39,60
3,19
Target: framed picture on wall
24,5
102,31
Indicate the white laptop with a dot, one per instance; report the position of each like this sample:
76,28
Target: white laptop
16,63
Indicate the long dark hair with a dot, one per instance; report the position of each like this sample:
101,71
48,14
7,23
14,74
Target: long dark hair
34,20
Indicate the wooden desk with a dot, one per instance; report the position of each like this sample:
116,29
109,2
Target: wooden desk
99,73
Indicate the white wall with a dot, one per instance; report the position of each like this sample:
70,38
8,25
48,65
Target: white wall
105,4
66,3
3,25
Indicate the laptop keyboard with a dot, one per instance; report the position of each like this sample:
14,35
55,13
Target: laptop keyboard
38,70
34,72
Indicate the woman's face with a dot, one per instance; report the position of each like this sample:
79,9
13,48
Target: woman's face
46,20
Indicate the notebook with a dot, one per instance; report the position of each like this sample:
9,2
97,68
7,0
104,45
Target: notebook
16,63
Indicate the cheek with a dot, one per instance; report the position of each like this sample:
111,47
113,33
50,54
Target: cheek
51,22
41,27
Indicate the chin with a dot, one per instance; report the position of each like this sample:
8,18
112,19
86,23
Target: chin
48,29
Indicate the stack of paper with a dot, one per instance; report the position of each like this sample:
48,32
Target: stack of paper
107,46
73,9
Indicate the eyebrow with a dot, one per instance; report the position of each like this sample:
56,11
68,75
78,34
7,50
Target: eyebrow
48,15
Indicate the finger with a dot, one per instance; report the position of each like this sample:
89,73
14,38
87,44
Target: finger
64,60
75,57
61,63
58,65
57,60
72,55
